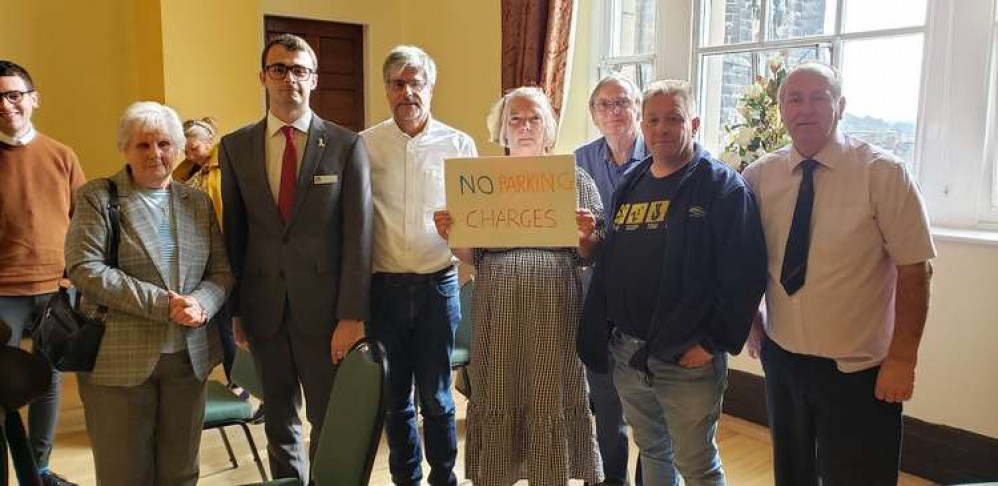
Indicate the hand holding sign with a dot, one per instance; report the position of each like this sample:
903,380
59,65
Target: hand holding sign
510,202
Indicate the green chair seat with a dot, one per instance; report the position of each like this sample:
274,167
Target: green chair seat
460,356
222,405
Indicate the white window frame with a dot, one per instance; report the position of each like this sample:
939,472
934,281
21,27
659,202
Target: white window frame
833,42
988,210
609,40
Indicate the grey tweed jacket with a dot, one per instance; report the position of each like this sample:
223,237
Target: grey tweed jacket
135,291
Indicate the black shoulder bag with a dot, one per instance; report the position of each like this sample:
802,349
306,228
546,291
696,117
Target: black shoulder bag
65,335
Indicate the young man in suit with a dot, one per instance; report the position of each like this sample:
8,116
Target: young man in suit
298,223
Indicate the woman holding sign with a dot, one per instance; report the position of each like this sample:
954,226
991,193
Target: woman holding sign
528,416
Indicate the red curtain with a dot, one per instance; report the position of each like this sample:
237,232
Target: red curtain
536,35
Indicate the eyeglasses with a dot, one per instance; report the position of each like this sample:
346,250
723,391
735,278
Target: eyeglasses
610,106
400,84
15,96
278,71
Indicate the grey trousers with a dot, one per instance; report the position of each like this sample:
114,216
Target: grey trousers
148,434
19,313
288,363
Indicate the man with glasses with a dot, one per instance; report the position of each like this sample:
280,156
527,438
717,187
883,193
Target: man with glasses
38,179
614,105
414,292
297,225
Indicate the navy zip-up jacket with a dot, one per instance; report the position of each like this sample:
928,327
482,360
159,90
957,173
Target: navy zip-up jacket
713,272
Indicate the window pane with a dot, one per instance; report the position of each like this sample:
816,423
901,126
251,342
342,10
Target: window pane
730,22
641,73
635,27
789,19
723,79
863,15
882,109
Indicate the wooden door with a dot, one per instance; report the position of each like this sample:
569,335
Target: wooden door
340,49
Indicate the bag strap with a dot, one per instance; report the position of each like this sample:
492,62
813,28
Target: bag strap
114,214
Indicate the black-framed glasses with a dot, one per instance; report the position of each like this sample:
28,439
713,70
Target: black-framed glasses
15,96
278,71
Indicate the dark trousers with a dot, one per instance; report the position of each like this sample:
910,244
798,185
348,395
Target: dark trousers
223,321
414,317
827,426
20,313
288,363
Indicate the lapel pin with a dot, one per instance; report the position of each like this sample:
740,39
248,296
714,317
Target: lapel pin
322,142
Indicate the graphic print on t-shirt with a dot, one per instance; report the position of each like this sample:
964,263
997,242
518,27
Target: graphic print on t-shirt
649,215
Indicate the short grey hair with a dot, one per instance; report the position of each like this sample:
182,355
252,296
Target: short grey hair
498,119
201,129
150,116
403,56
825,70
671,87
633,92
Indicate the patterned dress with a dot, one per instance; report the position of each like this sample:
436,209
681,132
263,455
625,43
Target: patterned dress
528,415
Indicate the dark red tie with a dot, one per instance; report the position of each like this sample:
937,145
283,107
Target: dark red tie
289,174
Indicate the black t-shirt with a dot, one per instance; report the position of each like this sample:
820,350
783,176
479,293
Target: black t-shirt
634,266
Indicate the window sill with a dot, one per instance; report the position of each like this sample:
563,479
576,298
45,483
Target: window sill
961,235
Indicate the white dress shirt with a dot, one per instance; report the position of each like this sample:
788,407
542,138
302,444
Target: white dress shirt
407,183
275,147
868,217
20,141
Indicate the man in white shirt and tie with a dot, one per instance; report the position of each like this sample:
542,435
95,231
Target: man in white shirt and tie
415,303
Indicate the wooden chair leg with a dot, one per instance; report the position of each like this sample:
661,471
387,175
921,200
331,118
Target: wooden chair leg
228,448
256,454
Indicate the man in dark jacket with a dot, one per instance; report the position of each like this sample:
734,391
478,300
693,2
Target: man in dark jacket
677,283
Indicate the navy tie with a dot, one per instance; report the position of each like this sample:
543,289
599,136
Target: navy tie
795,257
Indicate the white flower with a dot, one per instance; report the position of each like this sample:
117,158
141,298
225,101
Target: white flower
775,63
745,136
732,160
754,91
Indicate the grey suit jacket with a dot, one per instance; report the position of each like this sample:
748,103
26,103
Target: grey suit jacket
135,291
319,262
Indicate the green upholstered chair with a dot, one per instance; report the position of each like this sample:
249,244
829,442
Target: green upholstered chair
224,408
354,419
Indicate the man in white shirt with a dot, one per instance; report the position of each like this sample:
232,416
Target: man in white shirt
849,247
415,304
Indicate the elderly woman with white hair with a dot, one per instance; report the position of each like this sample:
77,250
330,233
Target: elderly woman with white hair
144,399
528,416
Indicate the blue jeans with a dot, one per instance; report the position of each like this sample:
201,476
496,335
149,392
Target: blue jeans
19,313
673,412
415,316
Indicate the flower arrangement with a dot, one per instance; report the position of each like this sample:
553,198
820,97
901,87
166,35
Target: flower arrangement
762,130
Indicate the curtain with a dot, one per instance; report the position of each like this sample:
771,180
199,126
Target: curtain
536,40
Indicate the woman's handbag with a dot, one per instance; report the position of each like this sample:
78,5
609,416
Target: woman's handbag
64,334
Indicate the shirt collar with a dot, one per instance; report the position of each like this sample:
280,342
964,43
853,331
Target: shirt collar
275,124
638,152
399,133
20,141
828,156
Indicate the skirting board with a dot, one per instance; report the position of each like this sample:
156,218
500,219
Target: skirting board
939,453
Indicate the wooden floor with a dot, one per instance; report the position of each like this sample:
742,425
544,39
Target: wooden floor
745,451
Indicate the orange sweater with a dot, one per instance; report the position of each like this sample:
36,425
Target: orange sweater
37,185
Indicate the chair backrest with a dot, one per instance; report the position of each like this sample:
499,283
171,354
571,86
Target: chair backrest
354,418
244,373
462,338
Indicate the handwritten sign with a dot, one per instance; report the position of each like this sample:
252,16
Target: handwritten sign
512,201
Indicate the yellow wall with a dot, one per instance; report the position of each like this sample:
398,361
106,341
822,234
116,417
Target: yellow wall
211,57
467,49
89,60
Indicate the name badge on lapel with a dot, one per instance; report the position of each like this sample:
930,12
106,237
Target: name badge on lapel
325,179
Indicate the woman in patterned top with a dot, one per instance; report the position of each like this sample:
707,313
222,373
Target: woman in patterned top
528,416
